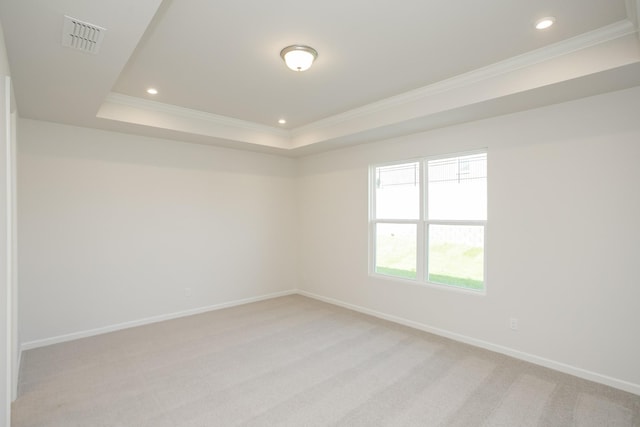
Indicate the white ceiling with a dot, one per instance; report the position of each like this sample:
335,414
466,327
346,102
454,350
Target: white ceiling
384,68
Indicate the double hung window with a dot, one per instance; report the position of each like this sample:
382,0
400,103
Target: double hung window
428,220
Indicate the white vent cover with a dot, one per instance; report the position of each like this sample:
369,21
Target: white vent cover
82,35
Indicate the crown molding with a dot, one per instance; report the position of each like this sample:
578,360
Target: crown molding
174,110
565,47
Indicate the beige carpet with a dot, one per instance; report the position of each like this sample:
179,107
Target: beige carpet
293,361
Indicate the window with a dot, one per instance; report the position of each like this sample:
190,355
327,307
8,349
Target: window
428,220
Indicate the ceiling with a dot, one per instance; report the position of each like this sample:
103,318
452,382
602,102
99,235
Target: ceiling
384,68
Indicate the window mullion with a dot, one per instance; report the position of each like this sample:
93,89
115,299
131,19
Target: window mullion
456,222
395,221
421,252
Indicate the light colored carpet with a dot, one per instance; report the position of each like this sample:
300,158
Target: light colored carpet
293,361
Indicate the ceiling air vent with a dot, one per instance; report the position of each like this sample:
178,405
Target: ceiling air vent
82,35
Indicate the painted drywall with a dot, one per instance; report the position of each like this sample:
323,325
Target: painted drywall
5,257
114,228
562,237
4,61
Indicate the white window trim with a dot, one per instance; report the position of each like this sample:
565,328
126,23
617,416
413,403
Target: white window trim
422,226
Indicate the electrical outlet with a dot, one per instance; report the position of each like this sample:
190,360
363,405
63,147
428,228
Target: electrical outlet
513,323
187,292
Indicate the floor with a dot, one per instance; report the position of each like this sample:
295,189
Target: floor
294,361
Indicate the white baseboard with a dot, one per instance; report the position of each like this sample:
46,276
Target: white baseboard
537,360
547,363
111,328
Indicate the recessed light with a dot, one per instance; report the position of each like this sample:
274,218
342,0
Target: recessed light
282,121
152,91
544,23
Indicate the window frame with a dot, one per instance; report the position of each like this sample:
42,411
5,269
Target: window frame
422,225
373,221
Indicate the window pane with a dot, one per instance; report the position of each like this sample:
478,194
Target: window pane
398,191
456,255
396,250
458,188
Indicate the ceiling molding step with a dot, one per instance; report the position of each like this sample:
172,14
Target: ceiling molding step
145,104
620,78
583,41
524,72
594,58
139,111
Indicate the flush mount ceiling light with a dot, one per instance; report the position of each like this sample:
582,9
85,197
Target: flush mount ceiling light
544,23
298,57
152,91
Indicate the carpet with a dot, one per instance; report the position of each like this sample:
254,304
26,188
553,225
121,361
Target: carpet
295,361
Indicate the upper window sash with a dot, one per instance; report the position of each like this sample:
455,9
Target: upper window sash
397,192
457,188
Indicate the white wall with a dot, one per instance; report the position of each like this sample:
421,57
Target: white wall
563,236
8,271
114,227
5,256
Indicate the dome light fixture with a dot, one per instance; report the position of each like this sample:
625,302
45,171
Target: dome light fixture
298,57
544,23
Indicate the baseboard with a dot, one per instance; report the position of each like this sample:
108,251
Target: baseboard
537,360
111,328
